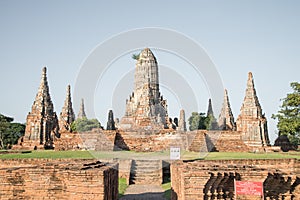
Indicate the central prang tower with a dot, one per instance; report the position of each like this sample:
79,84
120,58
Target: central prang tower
145,107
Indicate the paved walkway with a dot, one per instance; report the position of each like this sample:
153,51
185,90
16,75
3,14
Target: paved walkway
143,192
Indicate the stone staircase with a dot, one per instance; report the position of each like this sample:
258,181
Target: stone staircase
198,142
146,172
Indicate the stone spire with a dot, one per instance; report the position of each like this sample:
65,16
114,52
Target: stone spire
81,113
41,122
226,119
182,123
67,115
251,122
110,121
210,113
145,106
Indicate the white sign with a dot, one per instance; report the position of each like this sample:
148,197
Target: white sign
175,153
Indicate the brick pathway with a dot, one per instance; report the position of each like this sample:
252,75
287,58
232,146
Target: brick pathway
143,192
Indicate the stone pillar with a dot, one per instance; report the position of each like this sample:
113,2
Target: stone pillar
182,122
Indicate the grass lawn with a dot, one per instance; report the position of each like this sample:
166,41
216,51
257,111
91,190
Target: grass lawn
167,188
122,186
48,154
149,155
245,155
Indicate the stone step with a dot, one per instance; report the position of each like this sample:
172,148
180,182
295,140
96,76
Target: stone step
146,172
141,174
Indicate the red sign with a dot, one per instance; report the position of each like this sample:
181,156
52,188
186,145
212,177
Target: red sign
248,188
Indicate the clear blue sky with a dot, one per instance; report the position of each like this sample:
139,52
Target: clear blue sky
239,36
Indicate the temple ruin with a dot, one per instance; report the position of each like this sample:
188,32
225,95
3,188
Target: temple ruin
145,106
226,119
41,124
146,127
67,115
251,122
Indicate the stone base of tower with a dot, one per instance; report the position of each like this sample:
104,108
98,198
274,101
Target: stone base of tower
28,145
140,123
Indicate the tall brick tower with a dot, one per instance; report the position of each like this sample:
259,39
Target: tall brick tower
226,119
145,106
41,123
251,122
67,115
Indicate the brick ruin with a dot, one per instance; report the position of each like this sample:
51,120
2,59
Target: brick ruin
58,179
67,115
208,180
81,113
145,106
226,119
41,124
146,123
252,122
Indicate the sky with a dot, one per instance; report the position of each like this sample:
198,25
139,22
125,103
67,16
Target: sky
238,36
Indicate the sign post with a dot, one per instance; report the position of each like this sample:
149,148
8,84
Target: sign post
174,153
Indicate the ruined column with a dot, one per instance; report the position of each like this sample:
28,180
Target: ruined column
182,122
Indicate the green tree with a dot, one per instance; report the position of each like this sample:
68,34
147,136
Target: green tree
9,132
84,124
198,121
289,115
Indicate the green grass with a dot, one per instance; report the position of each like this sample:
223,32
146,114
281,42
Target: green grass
48,154
164,155
167,188
122,186
245,155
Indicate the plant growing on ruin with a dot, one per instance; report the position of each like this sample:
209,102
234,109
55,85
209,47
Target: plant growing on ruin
135,56
289,115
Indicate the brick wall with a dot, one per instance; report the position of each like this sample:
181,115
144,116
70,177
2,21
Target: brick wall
58,179
215,179
146,142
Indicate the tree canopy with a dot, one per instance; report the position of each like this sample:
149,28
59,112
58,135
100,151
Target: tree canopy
85,124
288,115
9,132
199,121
